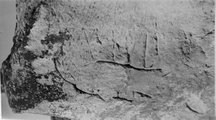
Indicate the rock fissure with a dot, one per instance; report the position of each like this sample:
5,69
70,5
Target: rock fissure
128,66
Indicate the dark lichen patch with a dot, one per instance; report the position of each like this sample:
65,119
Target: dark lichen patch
44,53
46,76
5,73
29,56
2,77
52,38
50,46
25,40
31,93
52,93
44,42
19,41
31,15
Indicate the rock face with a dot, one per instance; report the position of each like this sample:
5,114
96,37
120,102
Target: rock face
112,60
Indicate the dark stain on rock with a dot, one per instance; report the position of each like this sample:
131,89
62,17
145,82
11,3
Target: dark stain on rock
6,73
29,56
31,15
44,42
44,53
53,38
50,46
25,40
30,93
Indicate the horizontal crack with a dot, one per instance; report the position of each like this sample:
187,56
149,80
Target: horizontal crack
128,65
143,95
122,99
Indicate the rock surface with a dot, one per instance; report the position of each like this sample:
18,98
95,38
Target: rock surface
112,60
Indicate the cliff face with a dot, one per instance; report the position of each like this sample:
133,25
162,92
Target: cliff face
121,60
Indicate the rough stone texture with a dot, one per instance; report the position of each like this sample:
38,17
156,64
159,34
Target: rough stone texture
112,60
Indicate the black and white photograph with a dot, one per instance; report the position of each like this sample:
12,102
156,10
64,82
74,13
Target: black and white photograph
107,59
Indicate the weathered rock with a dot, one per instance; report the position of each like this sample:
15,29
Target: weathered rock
105,60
